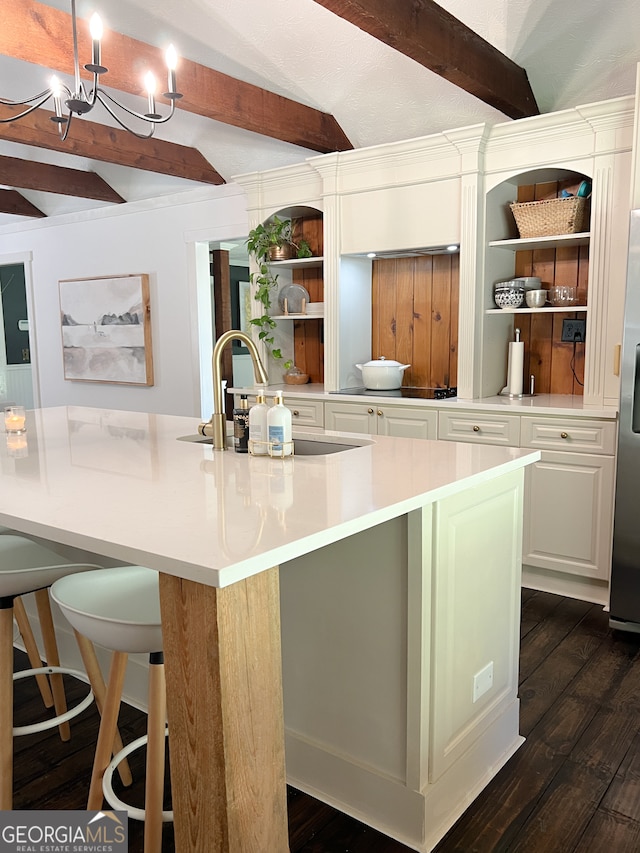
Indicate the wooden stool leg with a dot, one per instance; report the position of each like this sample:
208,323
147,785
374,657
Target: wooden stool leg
6,704
108,726
94,673
154,782
53,658
32,650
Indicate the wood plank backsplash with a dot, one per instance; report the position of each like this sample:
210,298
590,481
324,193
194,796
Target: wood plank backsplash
415,317
308,335
558,367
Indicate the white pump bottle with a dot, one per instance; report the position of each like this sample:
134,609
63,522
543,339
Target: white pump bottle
279,427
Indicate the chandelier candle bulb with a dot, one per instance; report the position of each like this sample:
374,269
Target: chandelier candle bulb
171,58
150,86
95,28
54,83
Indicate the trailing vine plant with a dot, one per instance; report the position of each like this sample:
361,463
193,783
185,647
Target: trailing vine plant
275,232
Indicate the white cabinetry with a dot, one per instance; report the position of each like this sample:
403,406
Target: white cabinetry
479,427
568,517
304,413
569,506
399,421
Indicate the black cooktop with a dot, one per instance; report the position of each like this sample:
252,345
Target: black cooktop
415,393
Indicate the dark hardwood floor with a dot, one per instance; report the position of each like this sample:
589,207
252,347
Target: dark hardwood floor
573,787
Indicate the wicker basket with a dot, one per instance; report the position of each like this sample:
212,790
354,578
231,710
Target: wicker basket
550,217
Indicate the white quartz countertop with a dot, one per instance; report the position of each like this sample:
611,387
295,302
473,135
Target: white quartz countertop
120,484
539,404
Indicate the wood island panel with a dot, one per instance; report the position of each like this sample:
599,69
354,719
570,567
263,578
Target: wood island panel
224,703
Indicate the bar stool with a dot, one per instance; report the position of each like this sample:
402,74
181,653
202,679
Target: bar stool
31,648
26,566
119,609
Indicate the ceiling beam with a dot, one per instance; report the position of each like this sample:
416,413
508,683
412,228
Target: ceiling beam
110,145
29,175
431,36
12,202
32,31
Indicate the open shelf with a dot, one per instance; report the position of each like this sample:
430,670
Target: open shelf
297,263
522,244
312,316
565,309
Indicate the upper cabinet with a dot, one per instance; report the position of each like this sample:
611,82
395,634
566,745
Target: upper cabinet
456,187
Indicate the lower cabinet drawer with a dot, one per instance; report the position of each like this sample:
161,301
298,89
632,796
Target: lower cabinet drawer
480,428
569,434
309,413
304,413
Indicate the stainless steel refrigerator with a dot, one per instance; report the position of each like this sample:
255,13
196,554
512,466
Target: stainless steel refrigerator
625,567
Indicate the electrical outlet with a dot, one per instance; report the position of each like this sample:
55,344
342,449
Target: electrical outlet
482,681
573,331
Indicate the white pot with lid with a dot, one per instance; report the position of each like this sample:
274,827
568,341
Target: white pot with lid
382,374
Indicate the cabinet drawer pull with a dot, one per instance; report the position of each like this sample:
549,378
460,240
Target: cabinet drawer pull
370,411
296,412
564,435
379,412
476,428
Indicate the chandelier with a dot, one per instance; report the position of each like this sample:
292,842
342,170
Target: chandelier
68,103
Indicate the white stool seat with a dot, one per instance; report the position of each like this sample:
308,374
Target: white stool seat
118,608
26,566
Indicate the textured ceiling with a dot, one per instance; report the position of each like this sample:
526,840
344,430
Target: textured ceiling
573,52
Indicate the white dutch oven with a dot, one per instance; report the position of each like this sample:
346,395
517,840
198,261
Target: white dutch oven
382,374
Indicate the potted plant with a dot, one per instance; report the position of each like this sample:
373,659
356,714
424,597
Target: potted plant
274,241
263,242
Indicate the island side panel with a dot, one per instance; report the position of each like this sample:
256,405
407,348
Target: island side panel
476,616
344,618
383,634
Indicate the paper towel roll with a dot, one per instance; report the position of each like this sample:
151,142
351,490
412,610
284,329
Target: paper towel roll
515,372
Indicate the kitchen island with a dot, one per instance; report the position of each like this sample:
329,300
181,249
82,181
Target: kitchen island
400,577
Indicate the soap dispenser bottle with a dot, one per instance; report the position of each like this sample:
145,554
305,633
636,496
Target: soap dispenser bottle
241,426
279,426
258,433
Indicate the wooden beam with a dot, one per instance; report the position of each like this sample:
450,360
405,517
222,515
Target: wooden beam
13,202
31,31
431,36
44,177
110,145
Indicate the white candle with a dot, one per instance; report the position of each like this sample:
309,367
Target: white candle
14,419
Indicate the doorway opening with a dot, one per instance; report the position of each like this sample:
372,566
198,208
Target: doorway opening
16,372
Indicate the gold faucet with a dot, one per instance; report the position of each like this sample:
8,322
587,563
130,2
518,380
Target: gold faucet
216,426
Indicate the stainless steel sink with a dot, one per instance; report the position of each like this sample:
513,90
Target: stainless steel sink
302,446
